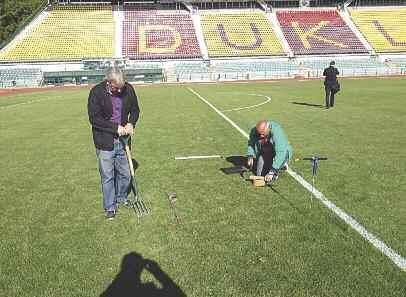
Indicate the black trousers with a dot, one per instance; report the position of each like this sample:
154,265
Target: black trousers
264,163
329,96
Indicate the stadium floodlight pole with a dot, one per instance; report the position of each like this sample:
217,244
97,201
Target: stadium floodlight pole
315,164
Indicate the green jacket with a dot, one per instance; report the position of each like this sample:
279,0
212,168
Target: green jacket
280,141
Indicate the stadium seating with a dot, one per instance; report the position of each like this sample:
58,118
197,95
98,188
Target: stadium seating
159,34
239,34
318,32
384,29
67,33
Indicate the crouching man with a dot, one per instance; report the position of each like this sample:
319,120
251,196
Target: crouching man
269,150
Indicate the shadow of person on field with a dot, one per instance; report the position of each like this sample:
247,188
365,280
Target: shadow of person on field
283,197
237,160
128,281
239,165
308,104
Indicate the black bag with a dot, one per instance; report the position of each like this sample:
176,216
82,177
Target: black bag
335,88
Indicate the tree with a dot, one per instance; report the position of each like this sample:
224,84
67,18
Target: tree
13,14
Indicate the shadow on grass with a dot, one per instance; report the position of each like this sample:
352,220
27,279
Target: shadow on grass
239,165
308,104
330,217
128,280
288,201
237,160
241,161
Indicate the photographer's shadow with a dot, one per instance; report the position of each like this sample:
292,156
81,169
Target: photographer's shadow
128,281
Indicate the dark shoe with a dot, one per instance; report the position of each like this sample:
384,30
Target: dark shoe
110,214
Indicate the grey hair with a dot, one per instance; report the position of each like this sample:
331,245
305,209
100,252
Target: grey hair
116,75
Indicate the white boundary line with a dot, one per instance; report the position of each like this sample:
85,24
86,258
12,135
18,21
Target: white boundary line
268,99
197,157
396,258
25,103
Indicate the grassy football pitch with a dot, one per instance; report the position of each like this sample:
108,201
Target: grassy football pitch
234,239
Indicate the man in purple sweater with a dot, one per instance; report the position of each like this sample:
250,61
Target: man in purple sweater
113,112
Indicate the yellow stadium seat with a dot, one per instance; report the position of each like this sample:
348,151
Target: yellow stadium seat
239,34
67,33
385,29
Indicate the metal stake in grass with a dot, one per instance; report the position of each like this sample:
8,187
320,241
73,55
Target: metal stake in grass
140,207
172,197
315,164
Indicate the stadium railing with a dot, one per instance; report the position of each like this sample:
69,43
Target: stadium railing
20,77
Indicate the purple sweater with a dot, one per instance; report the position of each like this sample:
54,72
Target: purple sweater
117,106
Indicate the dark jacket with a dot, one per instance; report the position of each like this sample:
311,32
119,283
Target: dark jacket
100,110
330,74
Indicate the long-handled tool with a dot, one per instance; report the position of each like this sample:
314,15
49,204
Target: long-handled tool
172,197
140,207
315,165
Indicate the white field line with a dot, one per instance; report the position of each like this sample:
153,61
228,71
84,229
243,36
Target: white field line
220,113
197,157
268,99
25,103
395,257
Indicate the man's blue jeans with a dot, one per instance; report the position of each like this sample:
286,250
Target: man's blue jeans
115,175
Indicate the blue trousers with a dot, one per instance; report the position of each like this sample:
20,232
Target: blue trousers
115,175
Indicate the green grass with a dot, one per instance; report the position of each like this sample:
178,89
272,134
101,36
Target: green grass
235,240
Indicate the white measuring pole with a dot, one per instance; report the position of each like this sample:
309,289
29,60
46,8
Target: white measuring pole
198,157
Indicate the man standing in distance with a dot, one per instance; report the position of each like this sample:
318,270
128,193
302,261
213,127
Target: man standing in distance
113,112
331,84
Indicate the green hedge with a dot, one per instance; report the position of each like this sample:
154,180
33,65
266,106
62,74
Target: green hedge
13,14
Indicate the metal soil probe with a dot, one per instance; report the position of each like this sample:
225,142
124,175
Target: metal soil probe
141,208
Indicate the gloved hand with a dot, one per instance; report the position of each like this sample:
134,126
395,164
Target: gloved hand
121,130
129,129
271,176
250,162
